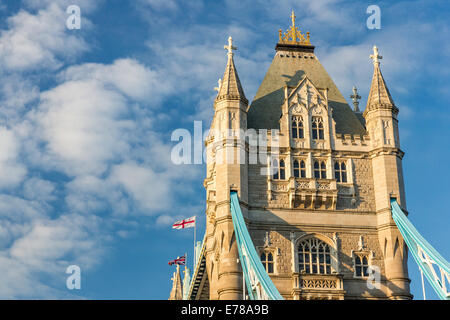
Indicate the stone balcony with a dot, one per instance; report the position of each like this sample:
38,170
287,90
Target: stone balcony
305,193
317,286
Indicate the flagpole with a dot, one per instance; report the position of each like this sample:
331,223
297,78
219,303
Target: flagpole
195,234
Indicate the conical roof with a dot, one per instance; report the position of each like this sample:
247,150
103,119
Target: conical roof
379,96
231,87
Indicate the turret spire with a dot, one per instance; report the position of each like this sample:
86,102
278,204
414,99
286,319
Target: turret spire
230,87
177,287
379,96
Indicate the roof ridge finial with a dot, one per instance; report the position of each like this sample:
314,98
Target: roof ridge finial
293,18
230,46
293,35
355,97
375,56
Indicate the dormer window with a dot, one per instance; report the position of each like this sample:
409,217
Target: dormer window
297,128
340,172
299,169
317,128
320,170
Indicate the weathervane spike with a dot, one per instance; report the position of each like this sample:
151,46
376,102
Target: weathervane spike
230,46
375,56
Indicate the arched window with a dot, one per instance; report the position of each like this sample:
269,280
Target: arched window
276,169
361,266
299,169
282,170
279,170
317,128
340,171
314,256
320,170
267,261
297,128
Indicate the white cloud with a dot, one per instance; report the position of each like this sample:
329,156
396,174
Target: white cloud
81,123
39,41
51,244
48,248
160,5
15,93
39,190
149,189
127,76
11,171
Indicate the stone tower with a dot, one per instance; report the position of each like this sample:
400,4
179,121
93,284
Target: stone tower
317,206
382,125
227,170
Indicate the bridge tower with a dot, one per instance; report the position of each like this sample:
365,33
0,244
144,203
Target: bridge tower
319,217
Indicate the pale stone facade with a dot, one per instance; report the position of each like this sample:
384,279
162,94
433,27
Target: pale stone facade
336,196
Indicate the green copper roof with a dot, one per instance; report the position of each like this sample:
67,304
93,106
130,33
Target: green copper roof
265,110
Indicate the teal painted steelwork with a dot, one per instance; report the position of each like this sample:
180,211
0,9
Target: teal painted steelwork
259,285
424,254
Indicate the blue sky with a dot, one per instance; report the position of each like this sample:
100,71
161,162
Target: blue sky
86,118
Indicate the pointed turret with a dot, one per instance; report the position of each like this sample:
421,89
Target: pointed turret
379,96
230,87
382,126
177,287
227,170
186,282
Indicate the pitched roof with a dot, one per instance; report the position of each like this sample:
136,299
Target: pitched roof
231,87
288,67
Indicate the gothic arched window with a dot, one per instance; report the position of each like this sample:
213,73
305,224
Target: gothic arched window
340,171
279,169
275,169
317,128
361,266
299,169
282,170
297,128
267,261
314,256
320,170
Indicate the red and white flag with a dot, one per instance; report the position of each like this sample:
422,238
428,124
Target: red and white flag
179,260
183,224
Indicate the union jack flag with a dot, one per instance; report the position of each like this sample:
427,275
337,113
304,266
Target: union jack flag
180,260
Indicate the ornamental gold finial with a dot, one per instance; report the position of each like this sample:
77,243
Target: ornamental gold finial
293,35
293,18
